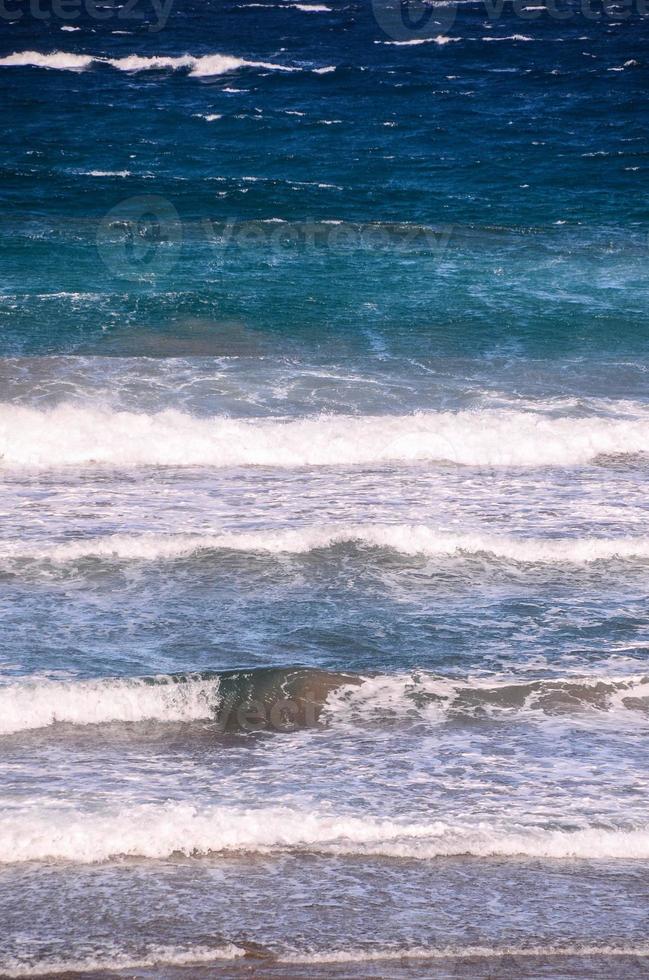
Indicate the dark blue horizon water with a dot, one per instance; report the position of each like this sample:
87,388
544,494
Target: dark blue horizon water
324,429
526,158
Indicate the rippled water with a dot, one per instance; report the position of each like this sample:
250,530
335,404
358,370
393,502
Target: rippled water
324,554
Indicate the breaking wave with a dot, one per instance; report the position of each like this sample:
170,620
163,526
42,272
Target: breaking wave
434,699
62,60
287,698
164,830
405,539
200,66
118,960
35,704
73,436
113,959
461,952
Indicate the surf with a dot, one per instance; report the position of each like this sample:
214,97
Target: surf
409,540
199,66
74,436
289,698
173,829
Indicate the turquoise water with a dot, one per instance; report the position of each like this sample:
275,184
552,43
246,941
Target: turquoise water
323,452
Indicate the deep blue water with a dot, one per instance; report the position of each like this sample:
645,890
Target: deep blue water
527,158
324,556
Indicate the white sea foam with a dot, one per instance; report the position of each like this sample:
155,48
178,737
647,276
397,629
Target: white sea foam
594,700
108,173
462,952
407,539
218,64
134,62
510,37
152,956
58,59
161,830
205,65
74,436
34,703
441,39
26,705
117,959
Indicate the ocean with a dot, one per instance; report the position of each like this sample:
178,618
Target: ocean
324,440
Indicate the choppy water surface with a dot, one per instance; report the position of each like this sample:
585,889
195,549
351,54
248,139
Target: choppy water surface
324,440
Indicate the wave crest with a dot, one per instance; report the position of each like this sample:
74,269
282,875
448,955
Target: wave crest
114,959
72,436
277,698
200,66
435,699
33,704
286,698
159,831
405,539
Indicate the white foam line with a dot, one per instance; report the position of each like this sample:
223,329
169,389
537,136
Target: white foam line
462,952
119,960
441,39
205,65
170,956
591,701
26,705
62,60
510,37
70,435
34,703
159,831
406,539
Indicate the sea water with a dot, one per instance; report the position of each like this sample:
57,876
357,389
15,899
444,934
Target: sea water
324,432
